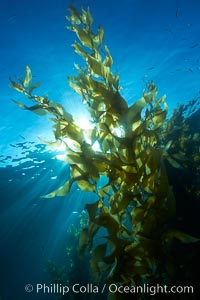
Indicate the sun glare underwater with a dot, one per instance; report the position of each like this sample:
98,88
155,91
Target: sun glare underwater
100,149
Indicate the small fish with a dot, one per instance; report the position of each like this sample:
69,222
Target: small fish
177,12
83,240
167,29
11,20
150,68
21,136
194,46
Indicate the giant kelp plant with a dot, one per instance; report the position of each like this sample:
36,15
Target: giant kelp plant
136,203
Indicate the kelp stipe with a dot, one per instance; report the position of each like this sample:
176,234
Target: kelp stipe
137,202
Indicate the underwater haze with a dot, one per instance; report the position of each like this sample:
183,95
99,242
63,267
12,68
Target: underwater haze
150,41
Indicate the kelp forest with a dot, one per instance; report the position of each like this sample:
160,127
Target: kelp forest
145,172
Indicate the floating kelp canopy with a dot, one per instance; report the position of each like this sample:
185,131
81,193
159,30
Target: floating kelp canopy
136,203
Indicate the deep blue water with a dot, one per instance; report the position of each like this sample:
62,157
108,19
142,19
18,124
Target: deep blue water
149,40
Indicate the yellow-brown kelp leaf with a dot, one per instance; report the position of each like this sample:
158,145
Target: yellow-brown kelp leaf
37,109
86,17
86,186
33,86
74,158
162,187
92,209
134,112
119,201
95,66
84,37
98,38
109,221
183,237
75,17
27,78
19,104
73,132
83,241
108,61
196,137
92,230
86,237
61,191
101,166
79,50
180,156
16,86
74,86
118,104
174,163
88,170
98,256
55,144
157,121
104,191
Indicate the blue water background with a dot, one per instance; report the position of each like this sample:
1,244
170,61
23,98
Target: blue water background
149,40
